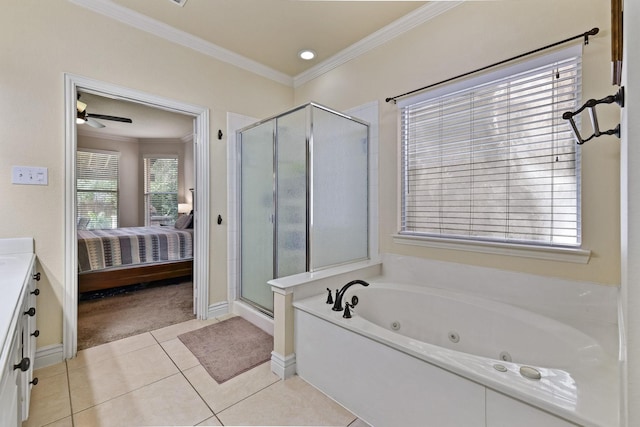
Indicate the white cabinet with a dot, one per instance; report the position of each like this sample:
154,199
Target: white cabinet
10,406
17,328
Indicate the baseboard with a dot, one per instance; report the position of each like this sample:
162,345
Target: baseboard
284,367
254,316
49,355
218,309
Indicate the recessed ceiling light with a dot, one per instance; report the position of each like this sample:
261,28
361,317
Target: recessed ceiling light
307,54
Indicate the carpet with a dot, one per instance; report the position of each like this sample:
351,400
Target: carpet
229,348
133,311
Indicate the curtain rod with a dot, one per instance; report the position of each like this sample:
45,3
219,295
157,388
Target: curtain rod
586,35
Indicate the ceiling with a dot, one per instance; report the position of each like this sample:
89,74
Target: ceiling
148,122
272,32
269,33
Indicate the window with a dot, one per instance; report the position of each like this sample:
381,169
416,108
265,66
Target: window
491,159
161,190
97,189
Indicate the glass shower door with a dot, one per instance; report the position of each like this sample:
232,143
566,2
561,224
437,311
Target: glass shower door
257,213
291,194
339,192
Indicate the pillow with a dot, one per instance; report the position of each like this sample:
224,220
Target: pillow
184,222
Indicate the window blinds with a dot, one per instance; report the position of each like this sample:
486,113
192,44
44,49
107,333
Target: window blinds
495,161
161,189
97,189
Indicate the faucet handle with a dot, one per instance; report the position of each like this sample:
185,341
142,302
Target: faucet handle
347,311
329,297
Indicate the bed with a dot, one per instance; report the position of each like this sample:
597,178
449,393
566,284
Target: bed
130,255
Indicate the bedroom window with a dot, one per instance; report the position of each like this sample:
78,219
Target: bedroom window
97,189
161,190
491,159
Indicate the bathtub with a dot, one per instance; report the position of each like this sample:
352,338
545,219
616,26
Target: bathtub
413,355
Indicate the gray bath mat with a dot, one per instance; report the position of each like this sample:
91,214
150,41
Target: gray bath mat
229,348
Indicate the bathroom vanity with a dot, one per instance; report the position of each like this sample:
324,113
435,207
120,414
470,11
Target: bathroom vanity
17,328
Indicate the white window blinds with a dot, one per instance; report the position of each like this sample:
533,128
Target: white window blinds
495,160
97,189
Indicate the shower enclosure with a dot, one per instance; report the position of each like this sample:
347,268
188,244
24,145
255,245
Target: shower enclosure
304,197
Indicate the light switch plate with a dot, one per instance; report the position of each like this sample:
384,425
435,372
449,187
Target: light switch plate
29,175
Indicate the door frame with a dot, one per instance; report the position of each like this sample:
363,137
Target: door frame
72,83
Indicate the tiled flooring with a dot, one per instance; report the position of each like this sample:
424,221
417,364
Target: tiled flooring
153,379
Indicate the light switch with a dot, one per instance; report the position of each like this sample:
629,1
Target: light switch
29,175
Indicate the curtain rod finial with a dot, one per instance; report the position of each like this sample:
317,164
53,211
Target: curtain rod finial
591,32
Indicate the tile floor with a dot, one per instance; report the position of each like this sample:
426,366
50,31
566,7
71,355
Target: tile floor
153,379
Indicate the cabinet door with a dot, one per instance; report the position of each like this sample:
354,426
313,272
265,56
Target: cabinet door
9,386
28,341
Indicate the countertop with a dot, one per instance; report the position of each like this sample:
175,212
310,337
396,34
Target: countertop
15,268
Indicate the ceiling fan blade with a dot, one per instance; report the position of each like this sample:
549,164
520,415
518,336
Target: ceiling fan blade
113,118
94,123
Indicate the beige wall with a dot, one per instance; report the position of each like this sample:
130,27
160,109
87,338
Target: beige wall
471,36
39,42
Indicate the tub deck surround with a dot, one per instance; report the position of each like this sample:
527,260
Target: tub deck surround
298,286
581,387
305,284
566,330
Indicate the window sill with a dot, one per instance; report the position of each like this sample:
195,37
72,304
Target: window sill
574,255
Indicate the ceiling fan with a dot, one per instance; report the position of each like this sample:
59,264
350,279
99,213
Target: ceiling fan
90,119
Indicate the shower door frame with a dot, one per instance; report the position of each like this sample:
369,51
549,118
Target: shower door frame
308,194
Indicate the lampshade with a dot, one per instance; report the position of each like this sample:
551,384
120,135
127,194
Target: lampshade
184,208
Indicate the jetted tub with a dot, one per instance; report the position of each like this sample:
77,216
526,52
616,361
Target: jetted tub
413,355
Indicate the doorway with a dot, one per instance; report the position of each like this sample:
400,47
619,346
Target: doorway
74,84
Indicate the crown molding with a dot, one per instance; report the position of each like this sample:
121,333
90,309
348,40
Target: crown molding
385,34
160,29
99,135
161,141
